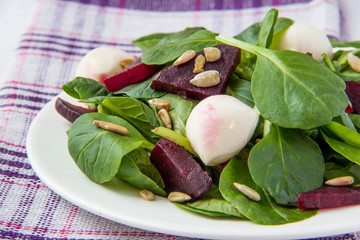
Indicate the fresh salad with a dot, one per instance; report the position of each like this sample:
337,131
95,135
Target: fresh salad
261,126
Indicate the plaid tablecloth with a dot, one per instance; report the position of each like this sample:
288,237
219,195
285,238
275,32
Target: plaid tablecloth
61,32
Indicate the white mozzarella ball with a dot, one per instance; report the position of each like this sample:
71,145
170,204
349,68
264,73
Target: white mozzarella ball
219,127
305,38
102,62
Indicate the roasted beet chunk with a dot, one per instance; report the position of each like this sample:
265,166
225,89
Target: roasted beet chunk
175,79
135,72
69,111
179,170
353,92
329,197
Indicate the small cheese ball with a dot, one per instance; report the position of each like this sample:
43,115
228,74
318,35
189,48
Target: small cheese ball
305,38
219,127
103,62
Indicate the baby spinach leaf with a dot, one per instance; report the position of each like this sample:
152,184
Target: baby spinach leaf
179,112
174,36
200,211
140,90
286,162
251,34
345,120
266,211
94,100
213,201
292,89
84,88
141,116
342,140
267,28
98,152
334,170
339,44
240,89
137,170
149,41
167,51
355,118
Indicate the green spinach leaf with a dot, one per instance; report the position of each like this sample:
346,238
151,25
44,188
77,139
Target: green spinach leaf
240,89
291,89
141,116
179,112
334,170
149,41
213,201
267,28
140,90
98,152
339,44
137,170
266,211
84,88
342,140
167,51
355,118
286,162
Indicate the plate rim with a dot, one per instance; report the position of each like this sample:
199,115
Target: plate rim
285,231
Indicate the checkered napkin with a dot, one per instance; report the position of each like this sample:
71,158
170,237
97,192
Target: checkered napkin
60,33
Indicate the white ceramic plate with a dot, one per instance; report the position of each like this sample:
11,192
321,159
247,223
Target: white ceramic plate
48,155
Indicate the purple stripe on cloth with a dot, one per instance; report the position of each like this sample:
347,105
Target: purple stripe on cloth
9,173
14,153
31,91
23,209
21,106
46,49
44,223
70,46
25,98
185,5
16,235
72,39
67,53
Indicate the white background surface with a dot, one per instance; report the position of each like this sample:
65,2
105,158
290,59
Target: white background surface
15,16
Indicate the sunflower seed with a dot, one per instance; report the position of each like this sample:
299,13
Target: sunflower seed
340,181
354,62
247,191
178,197
160,104
147,195
199,64
186,56
111,127
206,79
212,54
165,118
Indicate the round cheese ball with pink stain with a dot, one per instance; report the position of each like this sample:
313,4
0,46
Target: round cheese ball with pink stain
103,62
219,127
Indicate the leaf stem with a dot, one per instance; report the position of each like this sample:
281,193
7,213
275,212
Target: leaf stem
267,125
175,137
237,43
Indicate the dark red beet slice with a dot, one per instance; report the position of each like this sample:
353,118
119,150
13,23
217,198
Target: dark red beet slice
135,72
175,79
70,111
353,92
179,170
329,197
